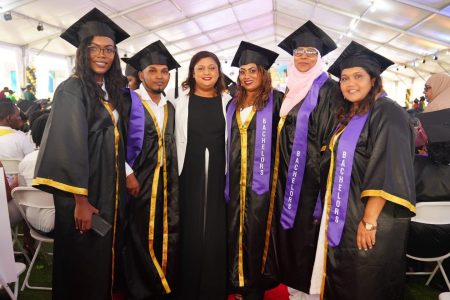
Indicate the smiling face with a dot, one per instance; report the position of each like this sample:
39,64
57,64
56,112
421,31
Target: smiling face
249,77
355,84
206,73
101,55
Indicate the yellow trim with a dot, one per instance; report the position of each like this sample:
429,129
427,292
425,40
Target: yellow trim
323,148
60,186
272,193
328,206
243,187
165,213
5,131
154,195
389,197
116,201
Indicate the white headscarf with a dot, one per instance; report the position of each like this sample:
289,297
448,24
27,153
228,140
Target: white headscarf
299,83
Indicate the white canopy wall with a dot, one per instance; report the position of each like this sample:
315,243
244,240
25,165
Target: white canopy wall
405,31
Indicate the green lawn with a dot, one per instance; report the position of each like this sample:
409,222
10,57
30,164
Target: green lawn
41,275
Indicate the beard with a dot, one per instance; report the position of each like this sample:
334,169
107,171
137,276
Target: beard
157,91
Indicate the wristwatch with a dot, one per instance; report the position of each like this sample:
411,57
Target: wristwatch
369,226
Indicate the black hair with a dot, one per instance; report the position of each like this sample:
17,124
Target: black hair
190,80
6,109
346,109
114,80
37,130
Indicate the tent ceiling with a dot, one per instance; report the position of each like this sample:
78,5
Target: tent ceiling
406,31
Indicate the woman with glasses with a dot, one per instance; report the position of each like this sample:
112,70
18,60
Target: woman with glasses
367,183
306,120
81,162
200,139
252,117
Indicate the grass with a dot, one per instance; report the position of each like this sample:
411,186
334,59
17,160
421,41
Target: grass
42,275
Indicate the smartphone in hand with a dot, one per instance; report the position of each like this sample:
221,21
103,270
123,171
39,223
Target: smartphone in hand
100,225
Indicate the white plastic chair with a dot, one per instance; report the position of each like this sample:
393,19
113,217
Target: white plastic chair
434,213
444,296
11,166
31,197
10,270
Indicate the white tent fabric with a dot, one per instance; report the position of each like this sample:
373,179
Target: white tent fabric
406,31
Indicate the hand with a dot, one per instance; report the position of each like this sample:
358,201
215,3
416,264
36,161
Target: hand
14,182
365,239
83,213
133,187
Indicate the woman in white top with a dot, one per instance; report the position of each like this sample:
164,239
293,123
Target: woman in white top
200,139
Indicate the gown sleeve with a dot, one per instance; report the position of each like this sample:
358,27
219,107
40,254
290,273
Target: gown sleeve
63,162
390,168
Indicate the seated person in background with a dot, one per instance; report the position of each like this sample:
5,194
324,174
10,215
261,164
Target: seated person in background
14,214
41,219
432,172
13,144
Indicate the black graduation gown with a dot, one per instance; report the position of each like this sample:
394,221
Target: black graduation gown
382,166
296,247
256,211
148,275
432,175
203,219
82,152
433,172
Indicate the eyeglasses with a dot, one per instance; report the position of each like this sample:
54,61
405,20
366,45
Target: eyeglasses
108,51
202,69
308,51
426,88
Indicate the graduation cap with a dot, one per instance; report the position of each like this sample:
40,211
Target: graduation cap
228,80
129,70
356,55
248,53
436,125
308,35
93,23
154,54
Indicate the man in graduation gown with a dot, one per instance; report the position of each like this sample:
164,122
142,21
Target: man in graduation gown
152,238
81,162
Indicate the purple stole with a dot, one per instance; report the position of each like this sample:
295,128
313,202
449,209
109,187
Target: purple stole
263,148
136,125
342,177
297,161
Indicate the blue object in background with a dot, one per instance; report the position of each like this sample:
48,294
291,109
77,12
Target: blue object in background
51,80
13,75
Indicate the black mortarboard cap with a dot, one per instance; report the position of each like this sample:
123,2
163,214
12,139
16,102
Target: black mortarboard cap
91,24
154,54
356,55
227,80
129,70
249,53
308,35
